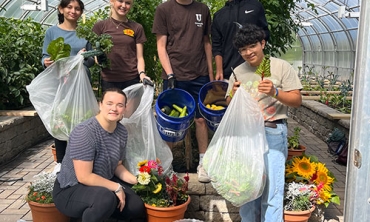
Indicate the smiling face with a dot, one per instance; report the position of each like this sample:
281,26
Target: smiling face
71,11
112,106
253,53
120,8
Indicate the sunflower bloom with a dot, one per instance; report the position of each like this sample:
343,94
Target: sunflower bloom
323,177
304,167
143,178
158,188
141,163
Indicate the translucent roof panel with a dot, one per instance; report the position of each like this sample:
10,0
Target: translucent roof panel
13,9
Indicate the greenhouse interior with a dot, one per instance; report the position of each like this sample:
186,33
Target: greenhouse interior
326,41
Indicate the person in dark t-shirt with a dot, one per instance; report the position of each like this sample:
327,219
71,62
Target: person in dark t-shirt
127,65
182,28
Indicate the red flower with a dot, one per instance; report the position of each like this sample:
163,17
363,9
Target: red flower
43,197
144,169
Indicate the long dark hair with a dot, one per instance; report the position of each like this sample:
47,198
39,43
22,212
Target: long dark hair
64,4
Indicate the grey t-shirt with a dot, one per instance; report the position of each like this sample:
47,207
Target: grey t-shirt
283,76
90,142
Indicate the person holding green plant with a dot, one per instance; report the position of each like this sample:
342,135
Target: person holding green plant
127,65
69,11
93,184
275,85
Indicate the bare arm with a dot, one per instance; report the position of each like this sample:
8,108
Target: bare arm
140,60
162,53
125,175
208,50
219,69
291,98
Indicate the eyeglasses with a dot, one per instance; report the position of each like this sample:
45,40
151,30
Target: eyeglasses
244,50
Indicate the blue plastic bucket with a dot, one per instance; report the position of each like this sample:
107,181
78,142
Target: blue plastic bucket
214,92
173,129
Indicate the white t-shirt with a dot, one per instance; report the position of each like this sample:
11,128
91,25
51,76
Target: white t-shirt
283,76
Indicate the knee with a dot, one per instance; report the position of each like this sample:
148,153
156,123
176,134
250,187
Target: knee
106,202
200,121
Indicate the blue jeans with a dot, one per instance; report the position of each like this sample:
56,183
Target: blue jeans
269,206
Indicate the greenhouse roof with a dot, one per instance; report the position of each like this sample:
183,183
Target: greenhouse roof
328,34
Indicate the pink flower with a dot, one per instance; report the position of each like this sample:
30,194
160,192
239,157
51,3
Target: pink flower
152,164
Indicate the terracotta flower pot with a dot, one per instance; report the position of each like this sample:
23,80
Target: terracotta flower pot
54,152
166,214
296,152
46,213
298,216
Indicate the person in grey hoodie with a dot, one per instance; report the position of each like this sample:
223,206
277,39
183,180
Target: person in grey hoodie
224,26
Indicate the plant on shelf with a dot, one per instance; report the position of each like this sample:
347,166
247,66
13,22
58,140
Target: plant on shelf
41,188
159,189
308,183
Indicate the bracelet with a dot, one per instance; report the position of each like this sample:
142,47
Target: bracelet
142,72
170,76
119,188
276,93
230,94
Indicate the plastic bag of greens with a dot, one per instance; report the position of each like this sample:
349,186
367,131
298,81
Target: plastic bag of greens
62,96
234,159
145,142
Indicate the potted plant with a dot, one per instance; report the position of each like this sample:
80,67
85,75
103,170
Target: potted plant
294,147
309,184
164,194
40,199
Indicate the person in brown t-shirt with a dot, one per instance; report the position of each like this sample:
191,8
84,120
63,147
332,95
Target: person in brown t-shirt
127,65
182,28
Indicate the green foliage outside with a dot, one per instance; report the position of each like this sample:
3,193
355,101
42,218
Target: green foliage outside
20,53
20,60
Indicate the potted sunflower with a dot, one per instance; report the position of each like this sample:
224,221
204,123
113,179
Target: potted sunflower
164,194
309,184
40,199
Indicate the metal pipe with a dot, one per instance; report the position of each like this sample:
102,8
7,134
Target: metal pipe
357,192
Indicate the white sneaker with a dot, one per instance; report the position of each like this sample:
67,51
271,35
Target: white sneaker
202,175
56,168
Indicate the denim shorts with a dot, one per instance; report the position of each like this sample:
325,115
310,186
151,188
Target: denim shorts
193,87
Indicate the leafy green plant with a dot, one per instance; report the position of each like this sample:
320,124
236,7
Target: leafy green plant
20,60
293,141
102,42
57,49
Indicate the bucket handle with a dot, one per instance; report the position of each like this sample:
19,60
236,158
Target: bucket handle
169,128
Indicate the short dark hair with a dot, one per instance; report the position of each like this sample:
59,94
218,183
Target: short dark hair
117,90
247,35
65,3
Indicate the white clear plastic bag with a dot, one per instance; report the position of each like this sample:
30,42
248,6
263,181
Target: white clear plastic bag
144,141
234,159
62,96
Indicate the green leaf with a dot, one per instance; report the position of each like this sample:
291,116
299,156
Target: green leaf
57,49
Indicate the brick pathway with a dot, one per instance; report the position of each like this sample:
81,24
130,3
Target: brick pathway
39,158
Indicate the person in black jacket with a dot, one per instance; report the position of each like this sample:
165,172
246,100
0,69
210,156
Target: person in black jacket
224,28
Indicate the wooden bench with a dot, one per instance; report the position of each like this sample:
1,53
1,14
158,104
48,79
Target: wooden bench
18,113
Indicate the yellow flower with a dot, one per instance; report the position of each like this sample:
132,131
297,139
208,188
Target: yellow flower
303,167
129,32
143,178
323,177
324,196
159,188
141,163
